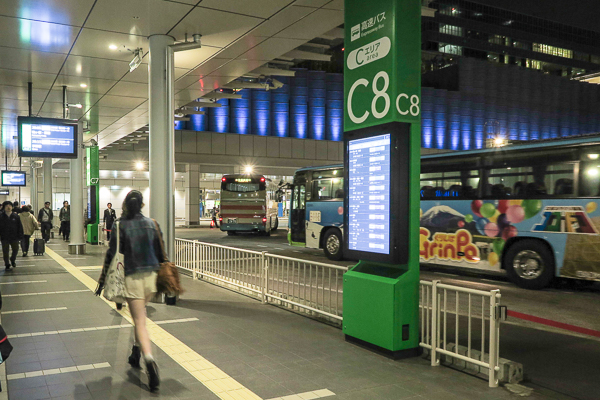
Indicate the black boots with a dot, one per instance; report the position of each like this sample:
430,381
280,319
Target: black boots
151,368
153,378
134,358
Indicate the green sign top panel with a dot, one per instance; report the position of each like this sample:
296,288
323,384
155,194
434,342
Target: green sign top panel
382,68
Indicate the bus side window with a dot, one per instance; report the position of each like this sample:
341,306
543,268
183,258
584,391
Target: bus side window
322,189
338,188
589,179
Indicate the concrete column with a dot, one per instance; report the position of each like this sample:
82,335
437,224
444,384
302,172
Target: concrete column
192,194
77,242
47,182
162,137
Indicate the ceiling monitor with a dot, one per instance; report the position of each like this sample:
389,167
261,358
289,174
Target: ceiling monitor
47,137
13,178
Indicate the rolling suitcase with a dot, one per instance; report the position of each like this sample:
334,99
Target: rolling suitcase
39,247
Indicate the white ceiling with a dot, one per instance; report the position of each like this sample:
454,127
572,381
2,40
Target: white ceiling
66,42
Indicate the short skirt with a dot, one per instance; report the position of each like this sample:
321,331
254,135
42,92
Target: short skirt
140,285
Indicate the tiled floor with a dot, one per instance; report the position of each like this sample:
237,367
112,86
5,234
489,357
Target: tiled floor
69,344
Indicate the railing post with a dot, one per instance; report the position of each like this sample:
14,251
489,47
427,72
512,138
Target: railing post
434,317
195,262
493,347
265,276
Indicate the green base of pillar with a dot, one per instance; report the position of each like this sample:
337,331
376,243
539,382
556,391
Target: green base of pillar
394,355
92,233
381,304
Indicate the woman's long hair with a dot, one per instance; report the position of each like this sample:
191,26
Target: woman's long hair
132,205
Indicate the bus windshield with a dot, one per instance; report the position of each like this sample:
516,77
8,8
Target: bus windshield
241,187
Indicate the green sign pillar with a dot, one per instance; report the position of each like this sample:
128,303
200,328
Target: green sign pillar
93,184
382,84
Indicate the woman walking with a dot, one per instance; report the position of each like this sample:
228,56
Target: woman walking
140,243
30,225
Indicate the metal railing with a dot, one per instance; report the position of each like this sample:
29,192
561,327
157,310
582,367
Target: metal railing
317,289
305,286
482,313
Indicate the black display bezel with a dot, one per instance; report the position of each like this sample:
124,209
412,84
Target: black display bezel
399,192
48,121
7,171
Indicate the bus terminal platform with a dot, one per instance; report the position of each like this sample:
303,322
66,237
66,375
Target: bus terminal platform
70,344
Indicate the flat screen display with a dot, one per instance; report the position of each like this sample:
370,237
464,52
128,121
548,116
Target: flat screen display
4,192
376,207
47,137
13,178
369,162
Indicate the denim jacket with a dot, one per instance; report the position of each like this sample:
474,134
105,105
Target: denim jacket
139,243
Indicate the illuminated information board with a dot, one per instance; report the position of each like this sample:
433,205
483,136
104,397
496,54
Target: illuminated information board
369,173
13,178
42,138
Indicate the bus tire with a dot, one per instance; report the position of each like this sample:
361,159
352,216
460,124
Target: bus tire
276,225
529,264
333,245
231,233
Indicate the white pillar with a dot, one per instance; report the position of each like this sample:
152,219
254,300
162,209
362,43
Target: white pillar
192,194
162,137
77,243
47,182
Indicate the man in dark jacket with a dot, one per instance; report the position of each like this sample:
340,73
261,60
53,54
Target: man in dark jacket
110,216
45,219
11,233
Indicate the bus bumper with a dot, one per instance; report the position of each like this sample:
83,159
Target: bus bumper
258,227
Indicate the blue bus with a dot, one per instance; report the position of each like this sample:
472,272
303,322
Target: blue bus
529,209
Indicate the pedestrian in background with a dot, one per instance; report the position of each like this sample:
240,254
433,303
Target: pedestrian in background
30,225
31,209
110,216
16,208
139,242
45,217
11,233
64,217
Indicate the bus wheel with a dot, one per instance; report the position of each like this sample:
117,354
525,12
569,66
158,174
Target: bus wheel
332,245
274,228
231,233
529,264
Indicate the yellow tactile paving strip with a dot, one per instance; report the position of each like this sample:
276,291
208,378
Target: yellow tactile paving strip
217,381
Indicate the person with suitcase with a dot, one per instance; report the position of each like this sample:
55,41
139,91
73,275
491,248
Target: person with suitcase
45,217
11,233
30,225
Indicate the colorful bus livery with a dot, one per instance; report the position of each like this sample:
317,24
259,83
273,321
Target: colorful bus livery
530,209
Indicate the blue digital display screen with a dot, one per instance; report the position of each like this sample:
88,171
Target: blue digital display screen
13,178
48,138
369,171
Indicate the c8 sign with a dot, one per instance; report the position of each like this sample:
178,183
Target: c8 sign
380,92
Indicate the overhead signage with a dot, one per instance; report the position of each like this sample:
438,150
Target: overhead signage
47,137
4,192
13,178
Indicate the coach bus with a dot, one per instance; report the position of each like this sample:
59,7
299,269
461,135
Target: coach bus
246,206
530,209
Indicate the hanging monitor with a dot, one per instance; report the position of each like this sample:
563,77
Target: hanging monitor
376,180
47,137
13,178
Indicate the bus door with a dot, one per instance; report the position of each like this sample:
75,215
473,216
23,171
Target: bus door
298,212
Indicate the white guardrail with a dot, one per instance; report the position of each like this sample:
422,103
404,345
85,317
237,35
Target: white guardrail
482,312
317,288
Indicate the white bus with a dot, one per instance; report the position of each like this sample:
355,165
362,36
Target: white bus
246,206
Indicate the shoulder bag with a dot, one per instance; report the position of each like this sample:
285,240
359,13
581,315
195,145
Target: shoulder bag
114,288
167,279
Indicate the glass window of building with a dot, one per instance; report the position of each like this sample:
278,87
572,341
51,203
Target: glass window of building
451,30
451,49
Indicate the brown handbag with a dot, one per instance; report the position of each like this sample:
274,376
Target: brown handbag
167,280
